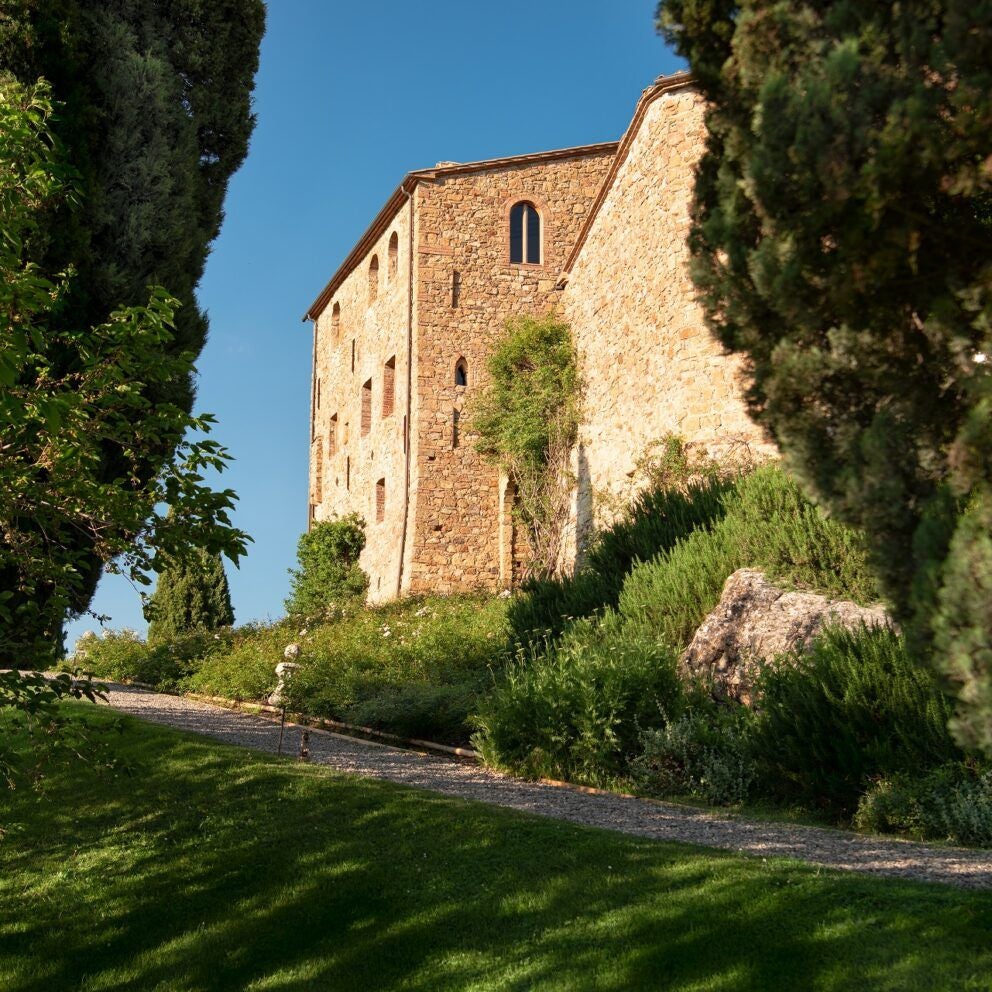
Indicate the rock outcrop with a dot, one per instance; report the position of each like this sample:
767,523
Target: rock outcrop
755,621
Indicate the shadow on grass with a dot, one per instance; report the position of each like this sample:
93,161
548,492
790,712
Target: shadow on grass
215,869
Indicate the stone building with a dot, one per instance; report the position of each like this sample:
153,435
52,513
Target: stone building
403,329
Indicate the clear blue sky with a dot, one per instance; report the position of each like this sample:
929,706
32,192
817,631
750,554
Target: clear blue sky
350,96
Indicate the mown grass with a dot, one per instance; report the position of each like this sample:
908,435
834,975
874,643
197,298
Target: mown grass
211,868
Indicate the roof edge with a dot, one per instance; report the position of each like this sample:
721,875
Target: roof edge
661,85
405,189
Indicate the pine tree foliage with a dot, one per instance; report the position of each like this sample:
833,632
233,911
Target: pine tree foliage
191,595
841,241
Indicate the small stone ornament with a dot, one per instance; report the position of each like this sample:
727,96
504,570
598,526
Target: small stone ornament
284,672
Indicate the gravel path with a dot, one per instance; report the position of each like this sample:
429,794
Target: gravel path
641,818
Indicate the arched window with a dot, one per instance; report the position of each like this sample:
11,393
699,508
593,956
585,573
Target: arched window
373,278
461,372
394,255
336,323
525,233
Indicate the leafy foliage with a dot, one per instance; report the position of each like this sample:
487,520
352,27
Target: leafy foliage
190,596
526,420
952,803
705,753
576,700
766,524
166,664
329,571
35,724
854,708
571,709
154,117
70,394
840,241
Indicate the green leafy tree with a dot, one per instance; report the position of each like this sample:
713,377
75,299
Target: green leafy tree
841,242
526,419
329,571
154,115
191,595
57,422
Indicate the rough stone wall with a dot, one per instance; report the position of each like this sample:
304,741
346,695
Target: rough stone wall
649,364
459,539
345,464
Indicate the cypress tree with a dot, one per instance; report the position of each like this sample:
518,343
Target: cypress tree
154,101
841,242
190,596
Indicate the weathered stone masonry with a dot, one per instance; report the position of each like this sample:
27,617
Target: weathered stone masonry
437,522
403,329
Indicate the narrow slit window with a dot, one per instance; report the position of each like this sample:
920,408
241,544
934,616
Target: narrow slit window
456,288
347,472
389,387
373,278
336,323
461,372
332,436
525,233
455,418
317,491
318,393
394,255
352,355
366,424
380,501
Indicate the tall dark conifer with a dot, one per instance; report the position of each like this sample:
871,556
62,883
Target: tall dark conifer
842,242
190,596
154,115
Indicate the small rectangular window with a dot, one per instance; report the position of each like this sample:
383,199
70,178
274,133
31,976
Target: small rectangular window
456,288
332,436
455,418
389,387
380,500
366,424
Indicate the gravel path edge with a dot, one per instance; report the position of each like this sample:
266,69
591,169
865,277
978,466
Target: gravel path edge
892,857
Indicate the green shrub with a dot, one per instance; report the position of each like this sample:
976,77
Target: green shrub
126,657
952,803
414,667
855,708
572,709
655,521
705,753
328,572
245,670
546,607
766,524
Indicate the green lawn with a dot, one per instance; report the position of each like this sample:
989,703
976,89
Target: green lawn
212,868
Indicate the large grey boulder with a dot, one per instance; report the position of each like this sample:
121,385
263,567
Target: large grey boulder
755,621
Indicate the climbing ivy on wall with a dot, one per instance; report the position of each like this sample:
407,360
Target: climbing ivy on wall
527,419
